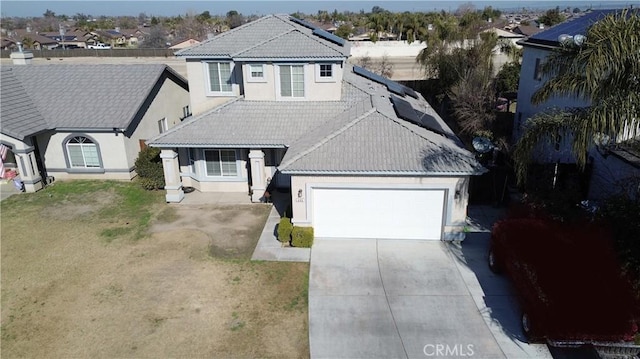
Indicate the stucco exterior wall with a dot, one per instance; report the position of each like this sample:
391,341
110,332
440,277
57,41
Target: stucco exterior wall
168,103
456,195
112,151
200,102
611,175
525,109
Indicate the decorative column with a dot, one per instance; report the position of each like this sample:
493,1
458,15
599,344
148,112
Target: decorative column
172,181
258,179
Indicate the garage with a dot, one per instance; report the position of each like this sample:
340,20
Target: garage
384,213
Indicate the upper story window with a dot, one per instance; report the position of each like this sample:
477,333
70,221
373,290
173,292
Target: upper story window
186,112
291,80
325,73
163,125
220,77
537,74
82,152
255,73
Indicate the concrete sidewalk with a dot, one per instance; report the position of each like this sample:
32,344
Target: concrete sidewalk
270,249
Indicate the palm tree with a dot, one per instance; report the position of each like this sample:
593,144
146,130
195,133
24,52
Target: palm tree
605,71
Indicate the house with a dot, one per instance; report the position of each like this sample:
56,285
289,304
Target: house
85,121
611,167
528,30
31,39
276,105
184,43
74,38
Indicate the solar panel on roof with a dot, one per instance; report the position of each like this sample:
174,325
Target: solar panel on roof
302,22
369,75
391,85
409,91
430,123
405,111
329,36
395,87
572,27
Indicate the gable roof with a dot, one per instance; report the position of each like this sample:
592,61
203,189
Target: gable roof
94,97
360,134
272,36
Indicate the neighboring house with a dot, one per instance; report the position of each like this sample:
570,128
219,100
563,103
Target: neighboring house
610,167
183,44
501,54
277,105
31,39
73,38
528,30
86,121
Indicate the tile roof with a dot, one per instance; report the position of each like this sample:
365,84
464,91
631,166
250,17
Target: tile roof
79,96
273,36
362,131
18,112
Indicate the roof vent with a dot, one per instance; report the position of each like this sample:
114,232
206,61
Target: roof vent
21,57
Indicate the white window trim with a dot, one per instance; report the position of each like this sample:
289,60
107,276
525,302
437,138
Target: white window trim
325,79
255,79
82,147
163,125
204,163
277,83
207,80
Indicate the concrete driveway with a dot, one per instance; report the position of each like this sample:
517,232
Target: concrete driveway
392,299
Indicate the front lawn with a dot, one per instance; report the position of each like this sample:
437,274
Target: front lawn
105,269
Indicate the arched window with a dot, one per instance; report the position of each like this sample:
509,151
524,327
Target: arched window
82,153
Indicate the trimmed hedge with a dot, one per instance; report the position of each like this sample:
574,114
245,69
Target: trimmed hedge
284,230
302,237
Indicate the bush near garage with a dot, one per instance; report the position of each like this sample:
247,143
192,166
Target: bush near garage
302,237
284,230
149,169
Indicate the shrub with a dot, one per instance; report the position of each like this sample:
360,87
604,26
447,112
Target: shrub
284,230
149,169
302,237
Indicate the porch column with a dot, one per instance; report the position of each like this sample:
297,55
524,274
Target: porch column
172,181
27,166
258,179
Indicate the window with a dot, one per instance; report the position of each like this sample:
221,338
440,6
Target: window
291,80
255,72
219,77
186,112
162,125
82,152
537,74
221,163
324,73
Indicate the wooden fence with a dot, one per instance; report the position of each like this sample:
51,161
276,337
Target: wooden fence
97,53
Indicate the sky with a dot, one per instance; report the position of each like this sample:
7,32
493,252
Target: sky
28,8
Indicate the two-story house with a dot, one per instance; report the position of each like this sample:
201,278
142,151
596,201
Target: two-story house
611,168
275,102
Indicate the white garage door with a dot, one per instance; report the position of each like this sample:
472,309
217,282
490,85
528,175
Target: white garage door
378,213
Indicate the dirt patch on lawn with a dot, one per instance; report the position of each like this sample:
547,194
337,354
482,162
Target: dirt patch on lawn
66,292
232,230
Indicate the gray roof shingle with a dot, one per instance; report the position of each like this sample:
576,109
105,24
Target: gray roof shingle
359,134
272,36
80,96
19,115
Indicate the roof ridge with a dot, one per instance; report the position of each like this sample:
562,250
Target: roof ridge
226,33
330,136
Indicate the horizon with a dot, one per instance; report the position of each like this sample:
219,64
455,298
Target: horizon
27,8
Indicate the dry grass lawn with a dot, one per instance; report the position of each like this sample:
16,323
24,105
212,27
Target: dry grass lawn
104,269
